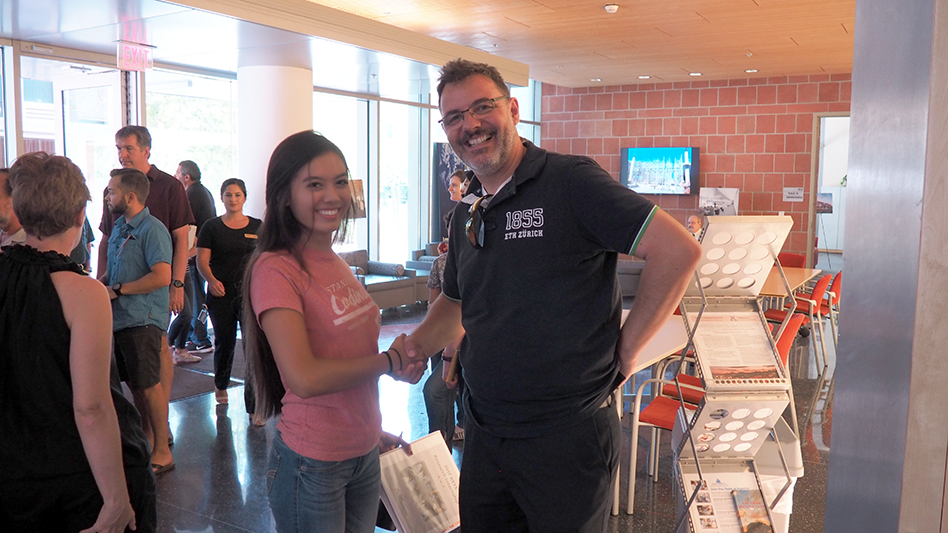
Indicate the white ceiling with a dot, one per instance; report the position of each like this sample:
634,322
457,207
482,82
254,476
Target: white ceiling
565,42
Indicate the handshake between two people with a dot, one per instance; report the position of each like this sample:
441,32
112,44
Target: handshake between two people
407,362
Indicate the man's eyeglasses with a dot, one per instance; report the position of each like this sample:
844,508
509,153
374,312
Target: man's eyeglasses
475,223
453,120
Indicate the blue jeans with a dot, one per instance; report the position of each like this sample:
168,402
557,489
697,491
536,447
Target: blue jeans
198,333
307,495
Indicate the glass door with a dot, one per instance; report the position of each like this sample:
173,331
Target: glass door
74,110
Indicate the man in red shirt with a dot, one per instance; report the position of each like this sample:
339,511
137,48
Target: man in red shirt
168,202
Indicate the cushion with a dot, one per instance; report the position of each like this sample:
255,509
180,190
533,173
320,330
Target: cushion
661,412
385,269
358,258
690,395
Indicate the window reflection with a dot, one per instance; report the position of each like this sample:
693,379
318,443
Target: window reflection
193,117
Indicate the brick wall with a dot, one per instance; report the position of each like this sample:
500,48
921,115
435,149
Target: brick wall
753,134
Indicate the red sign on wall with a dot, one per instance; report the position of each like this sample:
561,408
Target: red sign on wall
134,57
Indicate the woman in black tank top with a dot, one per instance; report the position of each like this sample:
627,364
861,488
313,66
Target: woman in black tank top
72,454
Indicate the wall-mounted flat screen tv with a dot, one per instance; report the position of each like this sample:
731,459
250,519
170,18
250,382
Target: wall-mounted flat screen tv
660,170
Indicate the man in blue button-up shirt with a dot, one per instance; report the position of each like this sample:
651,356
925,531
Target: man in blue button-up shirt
137,274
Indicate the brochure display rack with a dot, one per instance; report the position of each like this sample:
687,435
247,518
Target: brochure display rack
736,456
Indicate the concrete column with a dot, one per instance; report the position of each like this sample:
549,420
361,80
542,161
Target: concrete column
274,102
887,466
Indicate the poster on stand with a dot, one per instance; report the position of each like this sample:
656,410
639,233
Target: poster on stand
420,490
727,502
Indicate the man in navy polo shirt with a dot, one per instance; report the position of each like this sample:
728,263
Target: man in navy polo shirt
531,274
137,275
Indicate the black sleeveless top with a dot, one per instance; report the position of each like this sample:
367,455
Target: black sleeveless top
38,433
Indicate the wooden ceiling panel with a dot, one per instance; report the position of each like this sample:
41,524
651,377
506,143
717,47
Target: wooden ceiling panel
570,42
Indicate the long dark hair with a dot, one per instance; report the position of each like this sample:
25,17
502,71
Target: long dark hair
279,232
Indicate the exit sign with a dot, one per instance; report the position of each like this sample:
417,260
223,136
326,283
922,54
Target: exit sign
131,56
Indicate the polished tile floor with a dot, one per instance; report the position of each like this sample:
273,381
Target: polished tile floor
219,485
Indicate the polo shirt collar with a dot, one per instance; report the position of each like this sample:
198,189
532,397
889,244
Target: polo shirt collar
529,168
137,220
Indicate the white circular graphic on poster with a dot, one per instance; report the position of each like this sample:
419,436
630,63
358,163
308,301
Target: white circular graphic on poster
756,424
741,413
742,447
746,283
767,237
722,448
721,238
715,253
714,425
749,436
706,282
737,254
743,238
752,269
731,268
709,268
728,437
763,413
734,426
759,252
724,283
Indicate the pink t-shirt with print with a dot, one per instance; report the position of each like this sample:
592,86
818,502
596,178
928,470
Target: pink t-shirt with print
342,321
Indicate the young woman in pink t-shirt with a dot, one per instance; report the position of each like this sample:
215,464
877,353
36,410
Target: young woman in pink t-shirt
312,341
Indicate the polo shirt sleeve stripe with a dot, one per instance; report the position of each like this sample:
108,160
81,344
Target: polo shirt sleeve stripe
638,238
455,300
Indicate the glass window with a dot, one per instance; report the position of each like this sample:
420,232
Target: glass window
193,117
344,121
528,99
399,211
73,109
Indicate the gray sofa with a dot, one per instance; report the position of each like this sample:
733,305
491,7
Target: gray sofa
422,259
389,284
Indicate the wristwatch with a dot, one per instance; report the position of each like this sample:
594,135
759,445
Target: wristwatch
177,283
117,289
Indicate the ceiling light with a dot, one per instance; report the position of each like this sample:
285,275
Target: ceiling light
595,79
644,77
751,70
694,73
612,8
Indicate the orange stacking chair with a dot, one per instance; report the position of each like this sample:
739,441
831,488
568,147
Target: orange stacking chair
808,304
789,259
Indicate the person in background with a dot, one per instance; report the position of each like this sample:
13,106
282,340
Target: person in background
440,396
440,392
695,222
72,454
530,280
168,203
137,276
82,253
311,336
224,245
11,232
456,184
202,206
